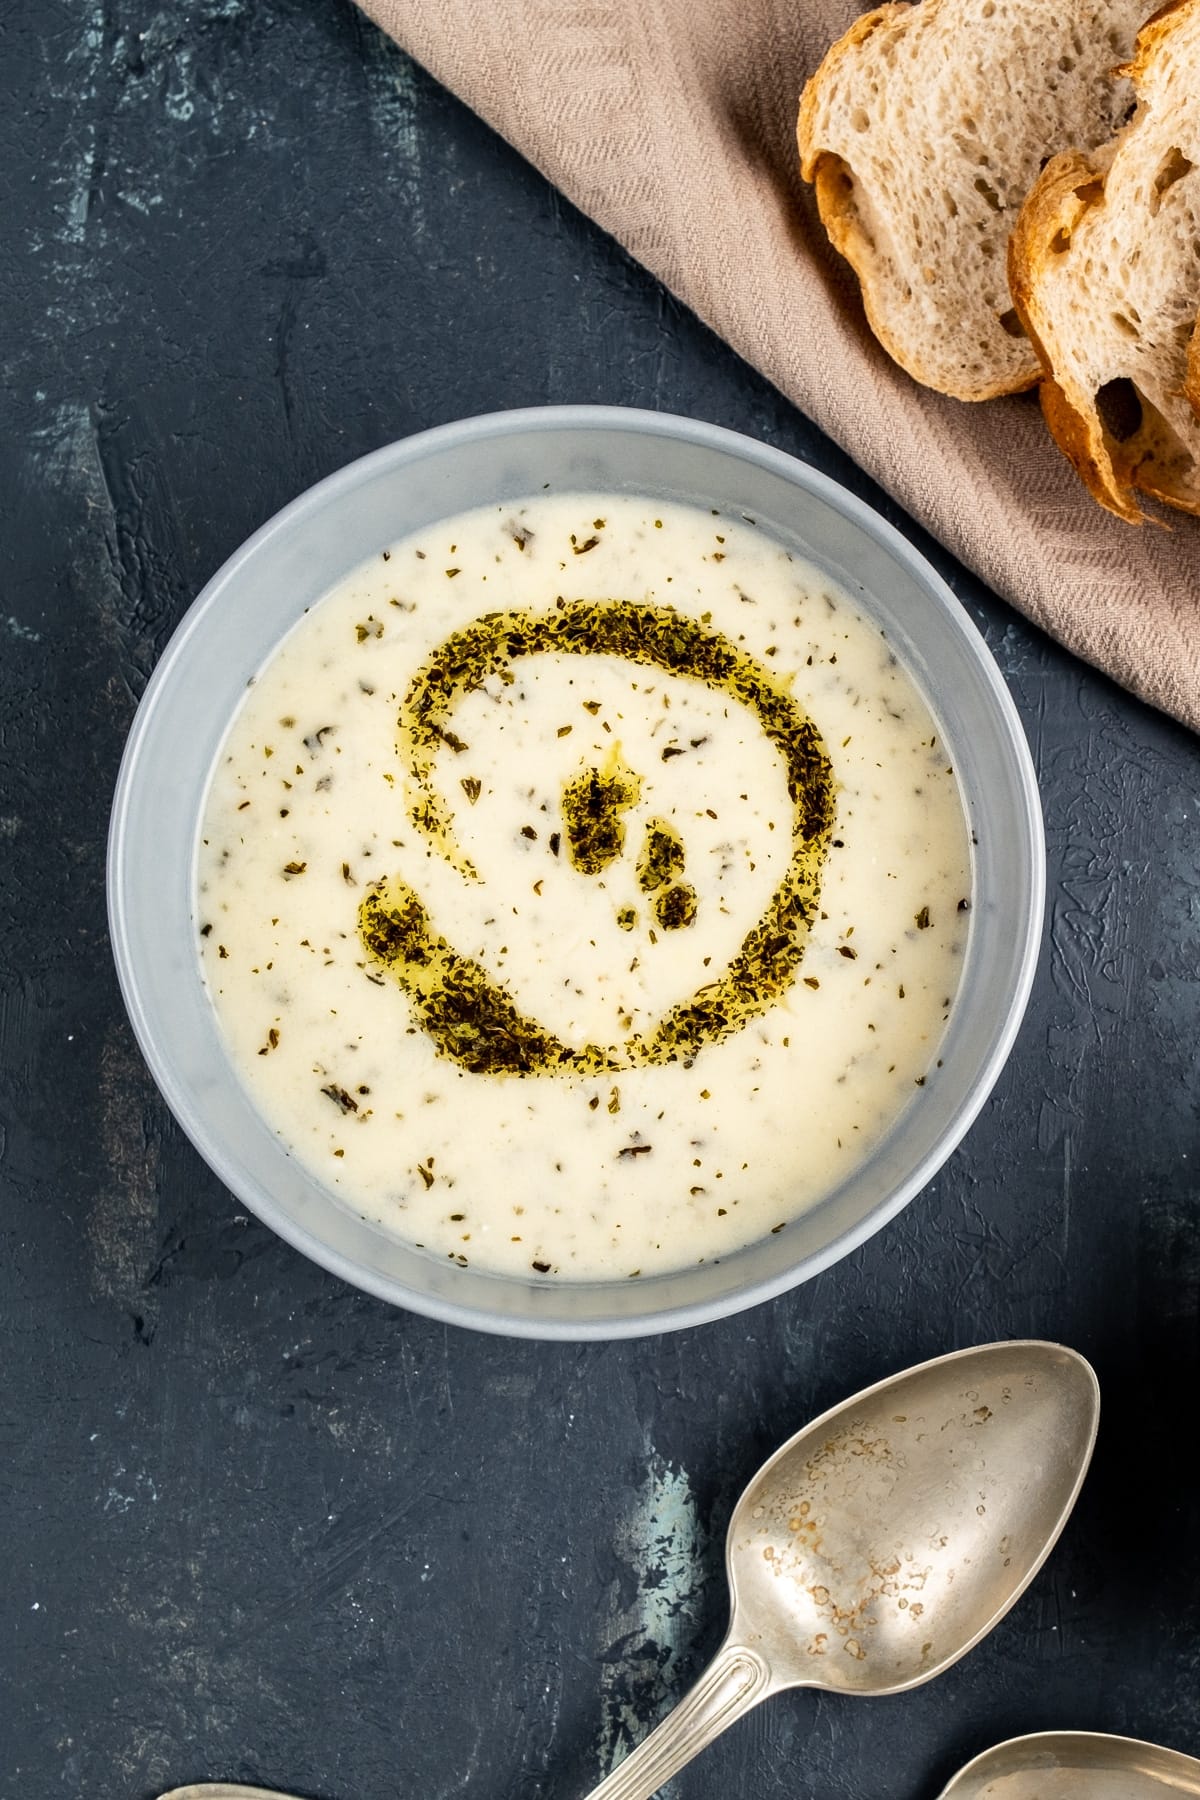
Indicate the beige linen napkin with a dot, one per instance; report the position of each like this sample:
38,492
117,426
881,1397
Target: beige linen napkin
672,122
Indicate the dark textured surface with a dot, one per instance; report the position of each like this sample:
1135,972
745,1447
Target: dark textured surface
254,1524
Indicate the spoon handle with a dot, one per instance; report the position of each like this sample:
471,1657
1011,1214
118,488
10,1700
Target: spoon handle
735,1680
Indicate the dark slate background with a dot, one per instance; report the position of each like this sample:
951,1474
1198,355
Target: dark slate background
253,1524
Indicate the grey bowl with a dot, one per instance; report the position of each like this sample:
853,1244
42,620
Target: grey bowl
247,607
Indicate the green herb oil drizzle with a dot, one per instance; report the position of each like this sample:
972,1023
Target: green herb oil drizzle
470,1016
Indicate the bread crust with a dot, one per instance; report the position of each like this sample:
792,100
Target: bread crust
1151,458
1153,34
1191,379
1064,191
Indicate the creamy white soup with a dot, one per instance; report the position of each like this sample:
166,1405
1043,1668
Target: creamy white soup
583,888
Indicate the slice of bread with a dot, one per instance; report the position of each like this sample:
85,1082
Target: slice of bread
1104,267
923,130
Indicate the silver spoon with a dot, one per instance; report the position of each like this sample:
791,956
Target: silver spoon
886,1538
1049,1765
881,1542
1075,1765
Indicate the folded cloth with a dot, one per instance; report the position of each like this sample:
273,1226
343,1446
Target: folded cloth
672,123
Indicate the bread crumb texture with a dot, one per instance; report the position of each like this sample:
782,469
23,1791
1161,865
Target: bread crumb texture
1105,270
923,130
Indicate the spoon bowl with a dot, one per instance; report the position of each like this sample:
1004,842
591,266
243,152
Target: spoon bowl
887,1537
1075,1765
224,1790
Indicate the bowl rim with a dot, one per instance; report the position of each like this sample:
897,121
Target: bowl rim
395,456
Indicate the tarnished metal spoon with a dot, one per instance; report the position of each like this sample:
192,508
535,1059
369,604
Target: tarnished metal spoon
880,1543
224,1790
1075,1765
886,1538
1048,1765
